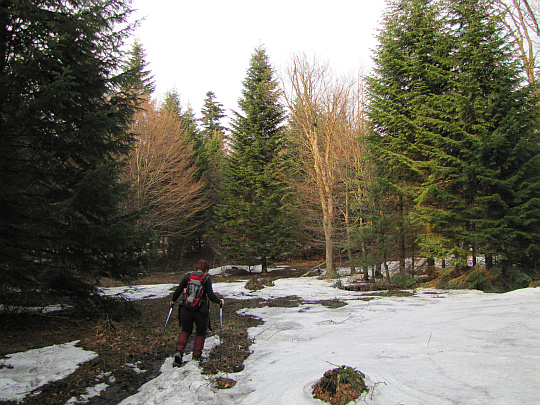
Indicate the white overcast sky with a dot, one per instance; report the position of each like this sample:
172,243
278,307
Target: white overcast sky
197,46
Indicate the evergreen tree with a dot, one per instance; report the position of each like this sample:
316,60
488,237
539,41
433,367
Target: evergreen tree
172,105
496,114
215,150
251,221
456,129
142,79
214,138
64,133
212,114
407,100
189,121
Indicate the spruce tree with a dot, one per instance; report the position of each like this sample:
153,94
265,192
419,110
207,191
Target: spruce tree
172,105
496,113
64,133
143,79
407,103
213,135
251,221
457,130
212,114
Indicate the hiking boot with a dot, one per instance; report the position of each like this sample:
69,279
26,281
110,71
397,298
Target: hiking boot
178,357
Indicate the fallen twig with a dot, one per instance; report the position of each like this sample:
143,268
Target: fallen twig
313,268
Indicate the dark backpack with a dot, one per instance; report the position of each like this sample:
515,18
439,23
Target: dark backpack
194,292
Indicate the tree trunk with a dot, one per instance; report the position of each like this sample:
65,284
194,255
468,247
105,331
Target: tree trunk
327,205
401,236
350,256
489,262
431,267
264,264
365,267
330,270
412,258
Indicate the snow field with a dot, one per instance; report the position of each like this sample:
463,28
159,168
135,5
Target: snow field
436,347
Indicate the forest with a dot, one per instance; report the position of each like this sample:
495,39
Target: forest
430,160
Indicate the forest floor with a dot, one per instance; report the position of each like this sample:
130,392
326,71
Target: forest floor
136,339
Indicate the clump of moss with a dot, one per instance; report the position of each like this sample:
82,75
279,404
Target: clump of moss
340,385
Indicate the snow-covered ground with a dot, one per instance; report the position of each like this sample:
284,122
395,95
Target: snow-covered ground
22,373
436,347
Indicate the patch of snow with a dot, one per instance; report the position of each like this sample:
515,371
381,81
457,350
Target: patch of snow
135,368
23,372
93,391
140,292
178,385
43,310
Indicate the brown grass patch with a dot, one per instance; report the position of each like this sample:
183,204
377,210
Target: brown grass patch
224,383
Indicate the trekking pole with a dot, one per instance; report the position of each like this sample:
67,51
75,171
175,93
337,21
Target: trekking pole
220,329
166,322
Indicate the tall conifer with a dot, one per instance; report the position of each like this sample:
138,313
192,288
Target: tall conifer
212,114
64,132
455,127
408,91
137,67
496,114
251,221
213,135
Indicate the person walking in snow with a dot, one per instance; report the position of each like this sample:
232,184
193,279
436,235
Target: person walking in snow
195,289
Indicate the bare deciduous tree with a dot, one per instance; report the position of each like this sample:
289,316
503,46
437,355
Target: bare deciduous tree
324,131
520,18
163,178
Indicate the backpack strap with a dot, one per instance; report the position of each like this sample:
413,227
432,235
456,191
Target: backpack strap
203,284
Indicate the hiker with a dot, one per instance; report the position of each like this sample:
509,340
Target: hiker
194,309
